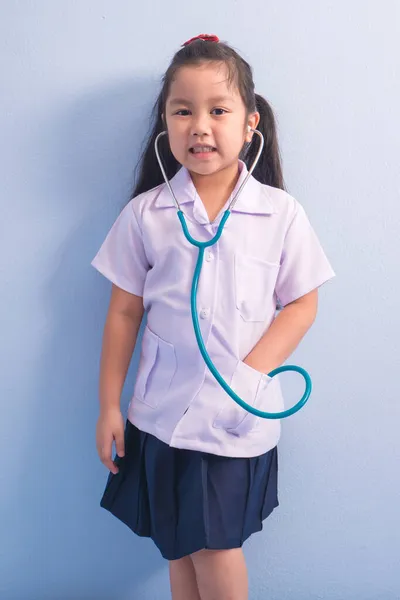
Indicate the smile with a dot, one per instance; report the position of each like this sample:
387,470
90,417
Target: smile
202,149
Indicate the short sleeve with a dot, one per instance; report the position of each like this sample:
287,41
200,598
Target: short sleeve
304,265
122,258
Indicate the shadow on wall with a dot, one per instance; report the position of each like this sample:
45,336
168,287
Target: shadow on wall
67,546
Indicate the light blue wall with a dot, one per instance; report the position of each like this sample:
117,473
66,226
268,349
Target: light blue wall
77,81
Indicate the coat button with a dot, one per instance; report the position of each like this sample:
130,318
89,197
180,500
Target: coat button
209,256
205,313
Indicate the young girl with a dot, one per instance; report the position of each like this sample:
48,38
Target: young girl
194,471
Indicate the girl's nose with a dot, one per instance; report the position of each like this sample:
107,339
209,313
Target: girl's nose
200,126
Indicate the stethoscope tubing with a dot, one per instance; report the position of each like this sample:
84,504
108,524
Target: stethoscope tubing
193,303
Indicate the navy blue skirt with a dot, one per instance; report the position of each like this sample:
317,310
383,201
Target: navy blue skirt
187,500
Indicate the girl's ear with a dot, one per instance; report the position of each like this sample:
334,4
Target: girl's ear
252,122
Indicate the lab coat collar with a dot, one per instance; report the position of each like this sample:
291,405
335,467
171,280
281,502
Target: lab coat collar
254,198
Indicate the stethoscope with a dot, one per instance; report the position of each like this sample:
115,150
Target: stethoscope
193,297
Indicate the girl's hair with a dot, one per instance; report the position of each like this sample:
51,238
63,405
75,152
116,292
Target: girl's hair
268,169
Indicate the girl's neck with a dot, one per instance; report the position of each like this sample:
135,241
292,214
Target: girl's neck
214,190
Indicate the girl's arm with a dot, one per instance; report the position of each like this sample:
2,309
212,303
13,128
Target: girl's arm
284,334
123,321
120,333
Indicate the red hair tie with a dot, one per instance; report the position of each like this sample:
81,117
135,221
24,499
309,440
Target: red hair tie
206,37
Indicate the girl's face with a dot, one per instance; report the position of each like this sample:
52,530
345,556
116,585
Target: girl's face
206,119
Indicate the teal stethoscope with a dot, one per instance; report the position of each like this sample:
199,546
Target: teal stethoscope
193,298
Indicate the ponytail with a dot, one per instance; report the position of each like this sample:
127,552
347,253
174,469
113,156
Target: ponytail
268,169
150,174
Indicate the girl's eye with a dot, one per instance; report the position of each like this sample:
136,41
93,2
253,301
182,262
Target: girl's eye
221,111
184,112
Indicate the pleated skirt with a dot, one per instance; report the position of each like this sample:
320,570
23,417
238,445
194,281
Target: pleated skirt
186,500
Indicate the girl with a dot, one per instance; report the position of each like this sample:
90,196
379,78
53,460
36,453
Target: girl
194,471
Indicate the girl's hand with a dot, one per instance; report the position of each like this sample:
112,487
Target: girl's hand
110,428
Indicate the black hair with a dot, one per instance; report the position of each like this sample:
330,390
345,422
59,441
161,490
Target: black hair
268,169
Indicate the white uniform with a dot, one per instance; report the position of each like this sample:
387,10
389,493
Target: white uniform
268,251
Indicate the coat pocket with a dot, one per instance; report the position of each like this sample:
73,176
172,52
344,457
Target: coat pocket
250,385
157,368
255,281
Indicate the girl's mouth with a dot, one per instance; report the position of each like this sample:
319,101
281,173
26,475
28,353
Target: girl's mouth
202,151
